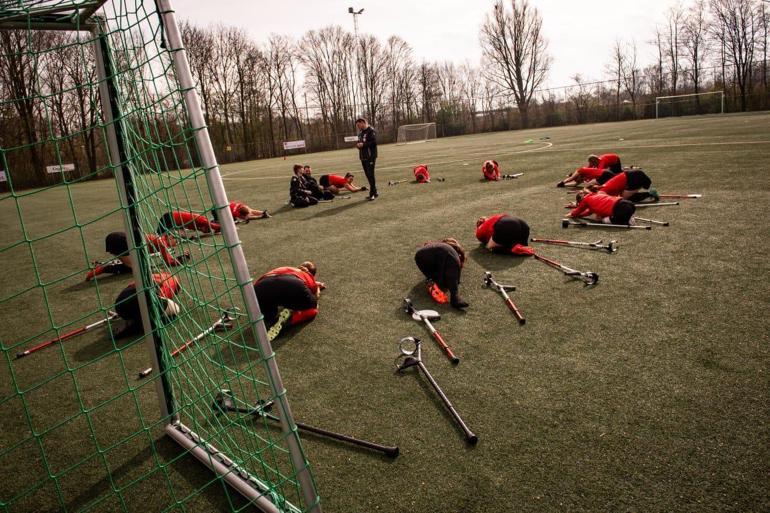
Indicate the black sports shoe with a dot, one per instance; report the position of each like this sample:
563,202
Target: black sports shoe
457,302
560,184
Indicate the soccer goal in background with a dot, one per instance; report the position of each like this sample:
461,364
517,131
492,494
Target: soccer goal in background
86,424
712,102
421,132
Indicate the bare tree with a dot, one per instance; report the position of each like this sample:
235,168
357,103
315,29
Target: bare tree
737,30
581,98
399,73
695,43
673,42
515,48
198,47
372,63
659,83
616,67
632,77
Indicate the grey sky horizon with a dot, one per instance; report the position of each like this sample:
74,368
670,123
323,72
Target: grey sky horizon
580,35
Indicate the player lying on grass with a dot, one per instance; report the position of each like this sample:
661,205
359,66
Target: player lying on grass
300,195
127,304
594,172
116,244
604,208
421,174
633,185
504,234
243,212
442,262
288,296
314,187
183,220
336,183
490,170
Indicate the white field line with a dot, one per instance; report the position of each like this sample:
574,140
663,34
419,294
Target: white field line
548,146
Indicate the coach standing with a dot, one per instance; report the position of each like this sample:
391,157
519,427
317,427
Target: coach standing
367,152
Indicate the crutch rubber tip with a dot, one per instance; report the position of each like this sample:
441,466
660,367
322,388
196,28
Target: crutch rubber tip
473,439
455,360
522,321
392,452
21,355
564,223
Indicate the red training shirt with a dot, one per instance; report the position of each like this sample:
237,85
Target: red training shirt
595,203
485,231
421,171
495,174
590,173
307,278
607,160
337,180
615,185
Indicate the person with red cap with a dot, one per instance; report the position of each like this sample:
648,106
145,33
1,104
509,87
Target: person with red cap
336,183
604,208
442,262
599,170
288,295
491,170
502,233
421,174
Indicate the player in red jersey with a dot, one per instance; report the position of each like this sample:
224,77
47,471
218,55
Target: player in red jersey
288,296
183,219
491,170
502,233
421,174
603,208
442,262
335,183
633,185
116,243
243,212
127,304
595,171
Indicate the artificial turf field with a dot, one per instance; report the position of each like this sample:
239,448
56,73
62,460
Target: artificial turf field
647,392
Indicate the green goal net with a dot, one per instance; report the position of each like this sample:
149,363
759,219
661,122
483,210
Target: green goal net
116,397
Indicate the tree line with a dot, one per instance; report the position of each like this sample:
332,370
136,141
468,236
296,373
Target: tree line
256,95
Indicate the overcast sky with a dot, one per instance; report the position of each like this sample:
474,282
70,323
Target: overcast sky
580,33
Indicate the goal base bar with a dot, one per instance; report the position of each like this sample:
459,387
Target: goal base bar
236,476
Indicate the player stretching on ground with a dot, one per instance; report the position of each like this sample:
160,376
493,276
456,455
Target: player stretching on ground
295,289
116,244
127,304
504,234
603,208
335,183
243,212
176,219
421,174
441,263
491,170
633,185
594,172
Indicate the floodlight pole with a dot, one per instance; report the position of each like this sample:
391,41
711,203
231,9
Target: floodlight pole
230,236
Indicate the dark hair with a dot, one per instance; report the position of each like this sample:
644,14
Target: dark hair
579,196
457,247
349,175
305,166
309,266
297,167
361,120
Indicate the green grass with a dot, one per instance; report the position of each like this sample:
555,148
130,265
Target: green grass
648,392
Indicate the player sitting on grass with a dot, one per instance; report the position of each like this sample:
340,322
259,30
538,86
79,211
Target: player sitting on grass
603,208
491,170
184,220
295,290
116,244
633,185
335,183
243,212
504,234
127,304
595,171
441,263
313,186
421,174
300,195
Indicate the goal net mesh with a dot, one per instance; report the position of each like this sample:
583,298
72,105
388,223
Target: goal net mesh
82,431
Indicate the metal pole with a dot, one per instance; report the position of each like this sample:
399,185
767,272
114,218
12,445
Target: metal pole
108,93
230,235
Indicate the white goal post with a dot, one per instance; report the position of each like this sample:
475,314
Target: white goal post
682,98
420,132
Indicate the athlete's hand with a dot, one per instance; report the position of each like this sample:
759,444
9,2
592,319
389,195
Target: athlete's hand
363,188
